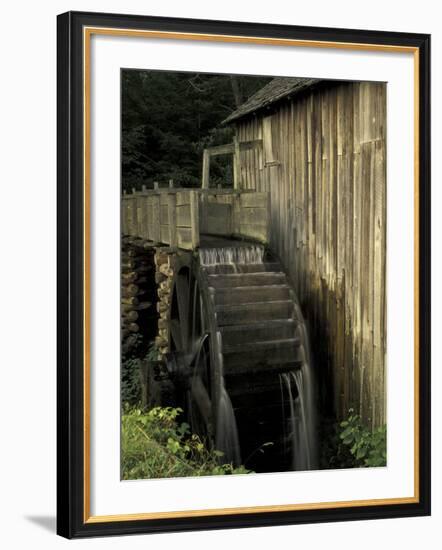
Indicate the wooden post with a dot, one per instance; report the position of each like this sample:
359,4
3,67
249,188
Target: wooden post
194,219
206,169
236,165
171,206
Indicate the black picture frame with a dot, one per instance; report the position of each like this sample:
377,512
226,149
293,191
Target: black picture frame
71,520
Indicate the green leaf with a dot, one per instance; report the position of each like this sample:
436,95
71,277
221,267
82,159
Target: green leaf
348,431
360,453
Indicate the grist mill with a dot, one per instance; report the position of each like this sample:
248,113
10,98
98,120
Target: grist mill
268,297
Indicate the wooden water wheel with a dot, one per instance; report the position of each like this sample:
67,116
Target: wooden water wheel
194,359
233,329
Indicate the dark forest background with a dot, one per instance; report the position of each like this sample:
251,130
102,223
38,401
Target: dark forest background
168,118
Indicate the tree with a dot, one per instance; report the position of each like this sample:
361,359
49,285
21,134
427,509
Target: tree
168,118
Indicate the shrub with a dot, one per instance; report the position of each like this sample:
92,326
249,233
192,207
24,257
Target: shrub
368,448
333,454
130,373
155,444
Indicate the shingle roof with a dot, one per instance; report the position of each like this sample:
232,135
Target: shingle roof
276,89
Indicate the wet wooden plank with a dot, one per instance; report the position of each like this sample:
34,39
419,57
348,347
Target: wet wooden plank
218,219
253,200
255,231
184,238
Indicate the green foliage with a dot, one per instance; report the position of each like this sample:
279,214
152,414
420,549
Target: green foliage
334,454
349,444
155,444
130,374
130,381
368,448
168,118
152,352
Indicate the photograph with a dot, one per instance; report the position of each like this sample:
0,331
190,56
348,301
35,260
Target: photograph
253,274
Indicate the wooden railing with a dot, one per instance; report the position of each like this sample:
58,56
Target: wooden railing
178,217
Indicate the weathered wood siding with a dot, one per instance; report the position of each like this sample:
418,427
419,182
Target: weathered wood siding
323,161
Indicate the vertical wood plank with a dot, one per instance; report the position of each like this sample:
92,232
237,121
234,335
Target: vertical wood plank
171,205
156,228
194,217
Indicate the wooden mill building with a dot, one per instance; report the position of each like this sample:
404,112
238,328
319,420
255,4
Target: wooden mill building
319,149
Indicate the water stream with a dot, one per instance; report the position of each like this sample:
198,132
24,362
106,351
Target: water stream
227,438
233,256
299,426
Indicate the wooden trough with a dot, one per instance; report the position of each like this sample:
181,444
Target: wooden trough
177,217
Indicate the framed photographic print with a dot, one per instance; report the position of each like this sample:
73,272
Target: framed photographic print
243,274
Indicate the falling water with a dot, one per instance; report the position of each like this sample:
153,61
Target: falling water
232,255
299,385
227,439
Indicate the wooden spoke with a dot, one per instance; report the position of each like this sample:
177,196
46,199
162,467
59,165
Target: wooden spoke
176,335
201,398
203,319
182,293
196,314
191,337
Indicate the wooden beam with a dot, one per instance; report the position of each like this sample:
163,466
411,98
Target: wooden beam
206,169
227,149
251,144
236,165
